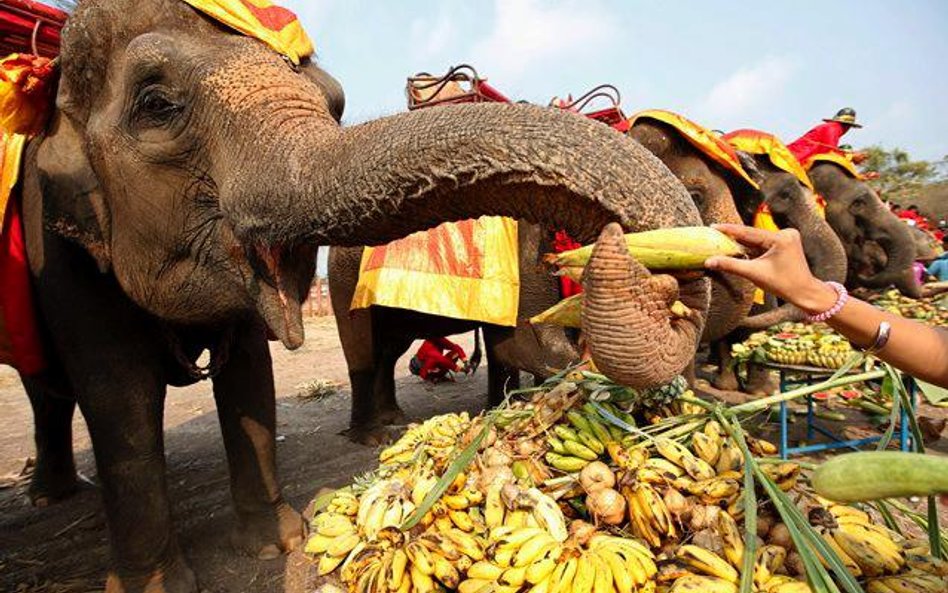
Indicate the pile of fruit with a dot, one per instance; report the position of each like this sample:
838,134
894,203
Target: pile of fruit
931,310
796,344
576,491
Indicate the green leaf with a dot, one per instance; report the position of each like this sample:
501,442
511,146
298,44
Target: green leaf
933,393
460,463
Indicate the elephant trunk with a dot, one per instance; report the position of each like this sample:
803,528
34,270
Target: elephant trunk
382,180
896,240
626,312
824,253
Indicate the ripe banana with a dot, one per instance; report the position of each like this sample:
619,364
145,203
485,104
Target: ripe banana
707,562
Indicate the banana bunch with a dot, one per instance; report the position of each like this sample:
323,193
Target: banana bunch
386,503
909,582
866,548
571,449
531,559
343,502
428,563
649,516
437,436
333,538
785,475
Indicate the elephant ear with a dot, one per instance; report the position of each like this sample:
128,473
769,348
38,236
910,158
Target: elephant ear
749,164
74,203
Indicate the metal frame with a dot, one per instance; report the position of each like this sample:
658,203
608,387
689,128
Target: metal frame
814,375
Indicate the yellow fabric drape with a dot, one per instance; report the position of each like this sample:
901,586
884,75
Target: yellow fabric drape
465,270
274,25
702,138
837,158
757,142
11,150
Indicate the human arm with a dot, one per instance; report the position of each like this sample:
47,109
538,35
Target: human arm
446,344
781,269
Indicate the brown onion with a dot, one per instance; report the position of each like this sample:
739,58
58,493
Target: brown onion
596,476
606,505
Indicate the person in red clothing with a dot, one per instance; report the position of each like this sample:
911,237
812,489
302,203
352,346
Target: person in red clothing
824,137
436,359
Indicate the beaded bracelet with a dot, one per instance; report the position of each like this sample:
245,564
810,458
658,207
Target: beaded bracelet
842,297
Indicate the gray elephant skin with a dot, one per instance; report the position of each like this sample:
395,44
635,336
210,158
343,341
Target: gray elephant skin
174,202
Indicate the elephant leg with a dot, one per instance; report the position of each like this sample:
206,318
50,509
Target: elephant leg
726,377
390,349
246,408
760,380
54,475
500,376
125,415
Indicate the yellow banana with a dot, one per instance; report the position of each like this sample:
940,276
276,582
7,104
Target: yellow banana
398,569
602,581
872,561
421,581
540,570
706,447
513,576
420,558
317,544
929,564
707,562
731,536
484,570
468,544
585,575
329,563
693,583
620,571
461,519
565,582
533,548
770,559
847,560
445,572
343,544
494,509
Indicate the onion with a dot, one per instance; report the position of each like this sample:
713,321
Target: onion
676,503
494,457
596,476
779,535
490,475
607,506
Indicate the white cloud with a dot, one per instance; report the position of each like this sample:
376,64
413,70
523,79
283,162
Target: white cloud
529,32
750,88
430,38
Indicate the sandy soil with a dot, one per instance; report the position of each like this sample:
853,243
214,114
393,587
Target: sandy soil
64,548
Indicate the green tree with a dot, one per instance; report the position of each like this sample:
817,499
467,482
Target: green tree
900,177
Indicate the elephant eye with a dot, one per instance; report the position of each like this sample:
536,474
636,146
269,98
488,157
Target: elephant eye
155,108
697,196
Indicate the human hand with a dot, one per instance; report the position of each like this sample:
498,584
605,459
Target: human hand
780,267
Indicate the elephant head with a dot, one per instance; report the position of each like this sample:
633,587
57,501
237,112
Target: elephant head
791,204
858,216
200,169
711,191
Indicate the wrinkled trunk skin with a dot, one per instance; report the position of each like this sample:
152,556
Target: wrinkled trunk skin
619,292
858,215
378,181
792,207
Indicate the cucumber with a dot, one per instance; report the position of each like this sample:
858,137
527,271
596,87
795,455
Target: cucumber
873,475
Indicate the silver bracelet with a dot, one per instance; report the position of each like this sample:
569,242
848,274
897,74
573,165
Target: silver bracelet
882,338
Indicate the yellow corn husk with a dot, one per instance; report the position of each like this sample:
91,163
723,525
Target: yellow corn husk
680,248
566,313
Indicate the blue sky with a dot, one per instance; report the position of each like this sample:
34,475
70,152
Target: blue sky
779,67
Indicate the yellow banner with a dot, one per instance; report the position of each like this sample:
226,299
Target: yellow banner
274,25
837,158
11,150
757,142
702,138
465,270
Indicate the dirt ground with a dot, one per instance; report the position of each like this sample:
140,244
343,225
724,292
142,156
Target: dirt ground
64,548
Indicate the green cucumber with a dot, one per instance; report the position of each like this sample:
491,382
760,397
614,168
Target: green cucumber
874,475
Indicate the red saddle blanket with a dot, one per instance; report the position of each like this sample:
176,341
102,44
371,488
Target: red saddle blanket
20,344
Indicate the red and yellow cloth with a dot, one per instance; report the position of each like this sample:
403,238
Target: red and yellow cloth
274,25
837,158
757,142
702,138
465,270
26,88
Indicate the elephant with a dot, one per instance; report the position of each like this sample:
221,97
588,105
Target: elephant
722,196
860,219
173,204
373,339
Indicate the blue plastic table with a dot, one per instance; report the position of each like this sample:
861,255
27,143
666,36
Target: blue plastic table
807,375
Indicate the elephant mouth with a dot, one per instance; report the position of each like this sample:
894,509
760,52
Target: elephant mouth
279,286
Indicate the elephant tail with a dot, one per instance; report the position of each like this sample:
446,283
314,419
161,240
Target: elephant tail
475,360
